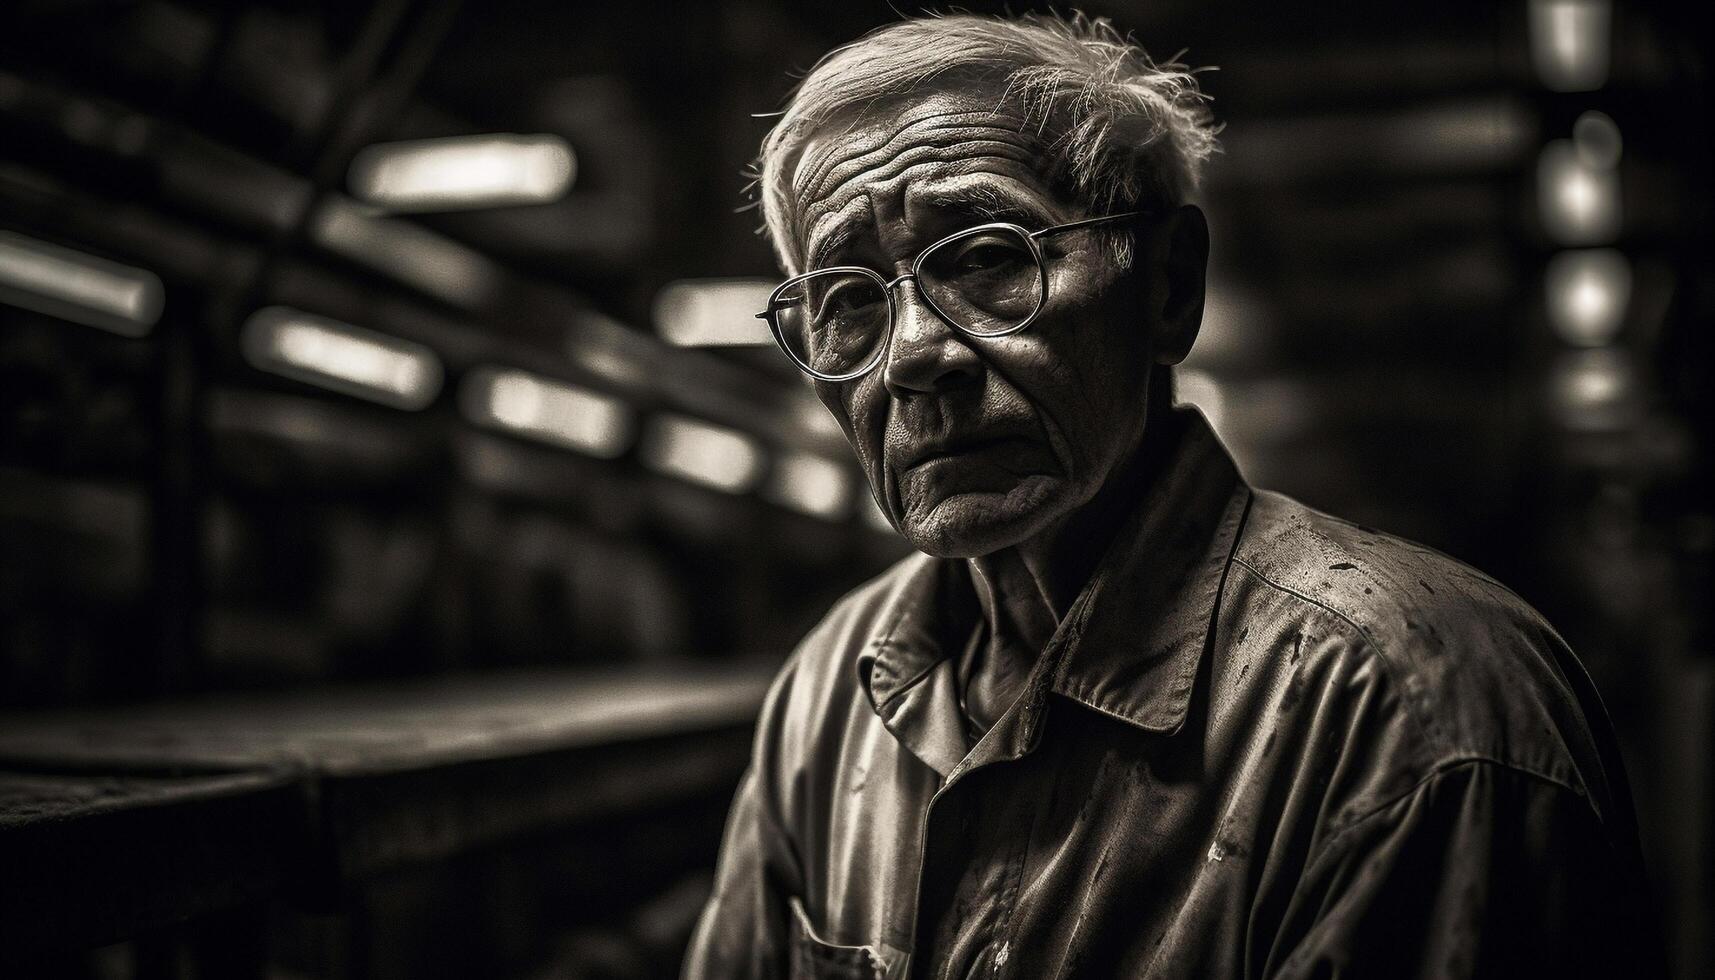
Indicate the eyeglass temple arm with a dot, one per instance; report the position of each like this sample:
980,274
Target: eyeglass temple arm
1086,222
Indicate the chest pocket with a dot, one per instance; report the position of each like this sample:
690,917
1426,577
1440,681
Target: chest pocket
814,958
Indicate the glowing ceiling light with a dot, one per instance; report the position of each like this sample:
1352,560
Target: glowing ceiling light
1588,293
713,312
1569,43
549,411
1579,203
425,260
463,172
814,485
701,453
341,357
78,287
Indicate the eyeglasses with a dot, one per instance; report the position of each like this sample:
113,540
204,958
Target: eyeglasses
987,281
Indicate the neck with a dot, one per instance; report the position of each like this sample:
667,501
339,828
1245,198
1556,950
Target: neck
1026,591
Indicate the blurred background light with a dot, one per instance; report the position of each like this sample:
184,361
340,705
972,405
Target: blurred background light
1463,135
1595,390
1569,43
811,484
1588,293
608,349
429,262
812,416
463,172
549,411
1597,140
709,455
872,513
1467,136
340,357
713,312
1237,328
78,287
1199,388
1579,203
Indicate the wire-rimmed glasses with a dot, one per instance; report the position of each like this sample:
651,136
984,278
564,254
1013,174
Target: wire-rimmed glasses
987,281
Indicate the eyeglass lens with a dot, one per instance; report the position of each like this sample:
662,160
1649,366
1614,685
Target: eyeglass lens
987,282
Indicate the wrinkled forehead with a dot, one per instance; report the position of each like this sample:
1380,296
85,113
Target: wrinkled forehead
940,136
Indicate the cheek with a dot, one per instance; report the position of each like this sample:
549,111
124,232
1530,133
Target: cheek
1086,375
1107,402
861,409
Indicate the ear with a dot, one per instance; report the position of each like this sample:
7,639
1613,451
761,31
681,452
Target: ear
1184,272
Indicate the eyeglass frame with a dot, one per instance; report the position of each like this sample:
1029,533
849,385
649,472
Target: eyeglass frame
1030,237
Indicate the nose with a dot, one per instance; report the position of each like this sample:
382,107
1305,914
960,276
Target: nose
925,354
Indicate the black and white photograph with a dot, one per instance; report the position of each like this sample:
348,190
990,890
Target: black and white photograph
865,490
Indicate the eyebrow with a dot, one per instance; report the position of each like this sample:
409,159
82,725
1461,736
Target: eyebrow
982,201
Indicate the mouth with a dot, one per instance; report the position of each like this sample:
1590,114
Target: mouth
942,450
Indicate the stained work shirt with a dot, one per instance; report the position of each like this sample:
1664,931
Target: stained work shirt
1263,742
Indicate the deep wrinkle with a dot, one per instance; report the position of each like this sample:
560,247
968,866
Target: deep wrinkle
829,164
811,173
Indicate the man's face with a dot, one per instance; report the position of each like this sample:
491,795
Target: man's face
975,444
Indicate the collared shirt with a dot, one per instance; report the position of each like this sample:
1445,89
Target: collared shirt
1263,742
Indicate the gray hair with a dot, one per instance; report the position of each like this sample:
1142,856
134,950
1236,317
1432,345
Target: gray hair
1122,131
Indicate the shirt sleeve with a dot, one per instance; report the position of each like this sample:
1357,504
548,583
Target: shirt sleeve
1482,870
743,929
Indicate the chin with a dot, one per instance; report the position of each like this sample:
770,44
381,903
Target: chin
973,524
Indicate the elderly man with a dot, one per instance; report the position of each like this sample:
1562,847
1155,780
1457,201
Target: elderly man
1125,715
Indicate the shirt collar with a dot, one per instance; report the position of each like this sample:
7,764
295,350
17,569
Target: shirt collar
1133,639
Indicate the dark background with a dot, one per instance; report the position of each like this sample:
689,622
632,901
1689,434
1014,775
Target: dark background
176,523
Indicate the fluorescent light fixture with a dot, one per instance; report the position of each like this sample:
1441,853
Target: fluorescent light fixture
463,172
1588,292
429,262
81,288
546,410
1579,204
709,455
1569,43
811,484
713,312
340,357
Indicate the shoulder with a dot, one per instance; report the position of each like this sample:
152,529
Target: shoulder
1469,670
819,680
862,619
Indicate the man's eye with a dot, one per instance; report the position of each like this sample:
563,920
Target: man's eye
850,298
983,255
